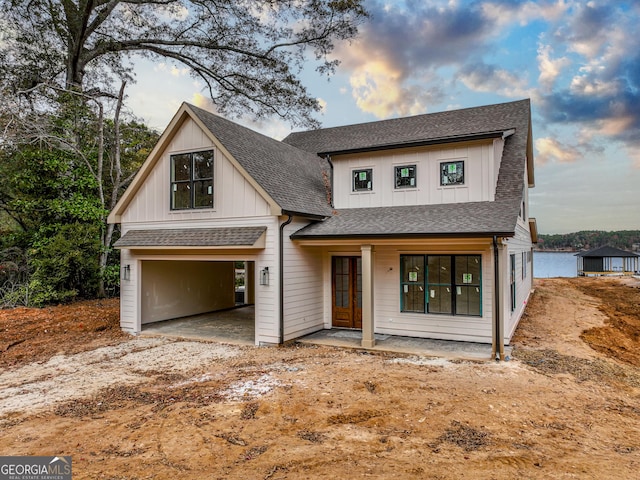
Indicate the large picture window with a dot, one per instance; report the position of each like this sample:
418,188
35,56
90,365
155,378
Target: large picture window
192,180
443,284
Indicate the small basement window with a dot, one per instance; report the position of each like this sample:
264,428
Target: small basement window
405,176
452,173
363,180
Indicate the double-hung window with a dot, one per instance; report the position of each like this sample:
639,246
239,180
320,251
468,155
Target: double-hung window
444,284
192,180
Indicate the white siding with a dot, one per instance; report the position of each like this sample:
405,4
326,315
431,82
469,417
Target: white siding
303,286
480,176
234,196
390,320
518,245
266,296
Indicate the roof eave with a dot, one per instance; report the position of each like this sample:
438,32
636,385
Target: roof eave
421,143
297,236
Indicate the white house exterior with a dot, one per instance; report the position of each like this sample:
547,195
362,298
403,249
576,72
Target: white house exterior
415,226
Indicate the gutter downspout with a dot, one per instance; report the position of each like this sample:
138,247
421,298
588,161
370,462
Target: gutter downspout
328,159
281,277
496,295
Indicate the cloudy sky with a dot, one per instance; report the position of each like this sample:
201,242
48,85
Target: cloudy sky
578,62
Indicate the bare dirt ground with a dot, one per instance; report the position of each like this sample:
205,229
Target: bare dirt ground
567,405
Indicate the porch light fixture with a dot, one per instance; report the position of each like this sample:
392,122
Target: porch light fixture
264,276
126,272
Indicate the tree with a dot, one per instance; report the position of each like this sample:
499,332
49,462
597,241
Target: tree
63,172
248,53
66,152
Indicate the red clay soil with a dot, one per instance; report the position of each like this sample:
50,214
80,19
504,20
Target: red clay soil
567,405
36,334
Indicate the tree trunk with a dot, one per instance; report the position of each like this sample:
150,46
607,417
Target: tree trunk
108,229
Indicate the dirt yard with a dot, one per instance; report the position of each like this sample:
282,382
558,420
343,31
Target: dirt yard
567,405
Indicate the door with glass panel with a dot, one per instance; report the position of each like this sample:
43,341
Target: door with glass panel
347,292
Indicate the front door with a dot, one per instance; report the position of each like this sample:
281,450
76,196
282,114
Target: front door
347,292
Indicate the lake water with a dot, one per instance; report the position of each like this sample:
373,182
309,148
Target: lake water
555,264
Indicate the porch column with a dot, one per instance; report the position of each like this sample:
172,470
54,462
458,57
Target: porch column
501,298
368,340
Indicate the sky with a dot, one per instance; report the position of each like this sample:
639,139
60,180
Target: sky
578,62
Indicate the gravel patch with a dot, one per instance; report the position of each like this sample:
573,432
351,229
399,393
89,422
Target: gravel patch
65,377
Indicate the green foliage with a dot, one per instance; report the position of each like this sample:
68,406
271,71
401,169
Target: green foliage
64,263
589,239
111,277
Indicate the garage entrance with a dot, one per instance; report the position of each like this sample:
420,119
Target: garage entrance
198,298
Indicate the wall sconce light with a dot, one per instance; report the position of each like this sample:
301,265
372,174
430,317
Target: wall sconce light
126,272
264,276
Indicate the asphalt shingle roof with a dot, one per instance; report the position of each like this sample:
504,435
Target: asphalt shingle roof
456,219
191,237
607,251
410,130
291,176
484,218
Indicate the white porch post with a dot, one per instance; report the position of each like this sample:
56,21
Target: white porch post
368,340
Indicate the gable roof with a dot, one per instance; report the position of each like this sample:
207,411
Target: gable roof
290,179
606,251
512,121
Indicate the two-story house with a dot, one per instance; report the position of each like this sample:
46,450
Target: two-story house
413,226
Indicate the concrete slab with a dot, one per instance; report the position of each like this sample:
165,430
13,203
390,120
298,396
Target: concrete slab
408,345
235,326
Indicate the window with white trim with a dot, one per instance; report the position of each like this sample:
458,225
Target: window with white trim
363,180
405,176
452,173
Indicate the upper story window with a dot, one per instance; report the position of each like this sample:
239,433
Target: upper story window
452,173
405,176
363,180
192,180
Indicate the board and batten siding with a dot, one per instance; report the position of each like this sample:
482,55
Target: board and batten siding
234,196
388,319
303,286
481,174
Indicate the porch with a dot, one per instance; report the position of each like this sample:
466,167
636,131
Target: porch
237,326
423,347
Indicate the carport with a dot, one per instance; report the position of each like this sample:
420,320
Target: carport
186,281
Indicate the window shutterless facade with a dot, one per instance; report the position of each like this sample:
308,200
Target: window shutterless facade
362,180
452,173
192,180
405,176
443,284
